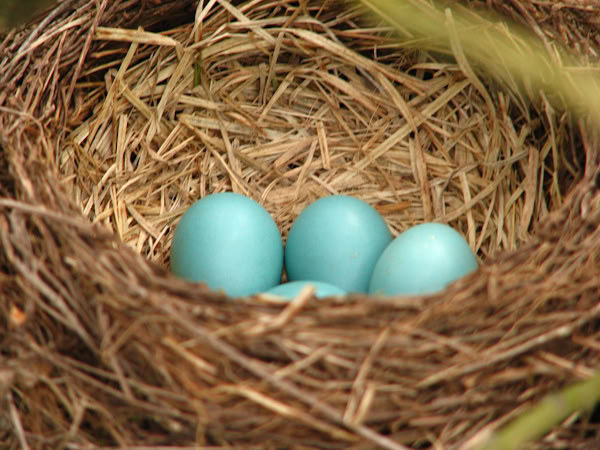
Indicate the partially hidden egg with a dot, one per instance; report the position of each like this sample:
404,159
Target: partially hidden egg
291,289
231,243
336,240
422,260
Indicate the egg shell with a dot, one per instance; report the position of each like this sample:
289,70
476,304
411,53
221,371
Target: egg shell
229,242
337,240
291,289
422,260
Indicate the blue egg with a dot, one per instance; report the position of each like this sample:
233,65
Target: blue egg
291,289
422,260
337,240
229,242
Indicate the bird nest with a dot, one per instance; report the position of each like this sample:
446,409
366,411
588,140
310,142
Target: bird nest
117,116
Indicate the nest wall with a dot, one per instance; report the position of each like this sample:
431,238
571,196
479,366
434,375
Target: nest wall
107,135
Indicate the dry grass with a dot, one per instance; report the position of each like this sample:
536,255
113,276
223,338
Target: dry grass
109,132
308,107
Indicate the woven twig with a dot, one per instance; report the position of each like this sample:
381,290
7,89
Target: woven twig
116,116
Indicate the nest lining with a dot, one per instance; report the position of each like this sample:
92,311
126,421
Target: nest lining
104,348
294,112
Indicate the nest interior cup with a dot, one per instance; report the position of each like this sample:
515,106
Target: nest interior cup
117,116
296,115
